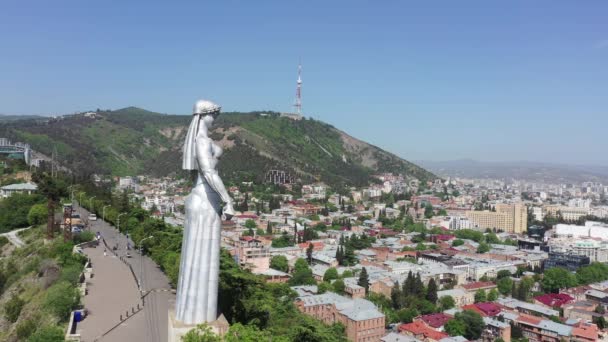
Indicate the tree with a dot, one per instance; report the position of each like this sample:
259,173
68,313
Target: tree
339,286
558,278
53,189
202,333
61,298
331,274
418,286
446,302
503,274
364,280
483,248
601,322
492,295
596,272
37,214
250,224
269,228
309,251
455,327
396,296
279,263
473,322
504,285
407,315
428,211
457,242
480,296
302,274
431,291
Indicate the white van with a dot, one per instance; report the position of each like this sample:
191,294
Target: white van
92,217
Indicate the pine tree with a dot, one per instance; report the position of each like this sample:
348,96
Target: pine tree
364,280
514,290
418,286
269,228
339,256
396,295
408,285
309,251
431,291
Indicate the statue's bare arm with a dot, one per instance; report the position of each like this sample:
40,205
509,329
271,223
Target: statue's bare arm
206,166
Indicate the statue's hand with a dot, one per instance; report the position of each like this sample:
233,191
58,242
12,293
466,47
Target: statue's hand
228,211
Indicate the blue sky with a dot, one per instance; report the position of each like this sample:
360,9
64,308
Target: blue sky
437,80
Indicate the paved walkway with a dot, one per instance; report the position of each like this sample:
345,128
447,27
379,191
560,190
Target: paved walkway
14,238
113,290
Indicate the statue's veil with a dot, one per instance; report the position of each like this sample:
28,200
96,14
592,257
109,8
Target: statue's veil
189,158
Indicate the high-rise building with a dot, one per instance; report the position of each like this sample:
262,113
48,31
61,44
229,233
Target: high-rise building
511,218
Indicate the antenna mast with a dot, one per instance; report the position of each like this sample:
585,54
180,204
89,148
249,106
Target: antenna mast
298,103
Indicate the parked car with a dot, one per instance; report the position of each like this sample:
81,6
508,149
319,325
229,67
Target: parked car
92,217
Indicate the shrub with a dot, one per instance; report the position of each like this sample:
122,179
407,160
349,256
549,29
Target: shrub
13,308
3,241
47,334
61,298
71,273
37,214
26,328
83,237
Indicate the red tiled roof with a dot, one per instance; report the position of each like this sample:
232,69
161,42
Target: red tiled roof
478,285
419,328
586,331
435,320
529,319
473,307
489,308
554,299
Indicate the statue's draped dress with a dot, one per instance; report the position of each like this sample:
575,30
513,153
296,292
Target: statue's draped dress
199,267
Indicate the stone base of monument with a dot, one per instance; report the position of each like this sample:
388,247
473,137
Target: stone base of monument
178,329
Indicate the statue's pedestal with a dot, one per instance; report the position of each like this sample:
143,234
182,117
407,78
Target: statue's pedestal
178,329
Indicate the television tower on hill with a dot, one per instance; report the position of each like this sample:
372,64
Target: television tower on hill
298,103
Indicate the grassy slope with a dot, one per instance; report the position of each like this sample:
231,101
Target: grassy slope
25,281
134,141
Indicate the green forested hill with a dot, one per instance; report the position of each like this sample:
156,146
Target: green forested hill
134,141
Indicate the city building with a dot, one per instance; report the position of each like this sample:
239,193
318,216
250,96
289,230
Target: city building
571,262
360,317
511,218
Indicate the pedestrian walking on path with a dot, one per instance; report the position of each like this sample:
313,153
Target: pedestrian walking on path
104,252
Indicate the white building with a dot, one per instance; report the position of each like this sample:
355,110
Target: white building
21,188
591,229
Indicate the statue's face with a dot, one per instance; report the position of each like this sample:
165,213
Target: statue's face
208,120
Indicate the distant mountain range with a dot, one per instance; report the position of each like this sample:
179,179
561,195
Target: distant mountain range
133,141
524,170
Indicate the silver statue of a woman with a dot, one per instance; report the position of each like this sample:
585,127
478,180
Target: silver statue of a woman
197,288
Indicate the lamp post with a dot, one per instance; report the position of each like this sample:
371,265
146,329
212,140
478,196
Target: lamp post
72,197
91,204
141,269
103,212
118,220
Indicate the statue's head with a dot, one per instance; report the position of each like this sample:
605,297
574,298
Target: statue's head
204,111
205,107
